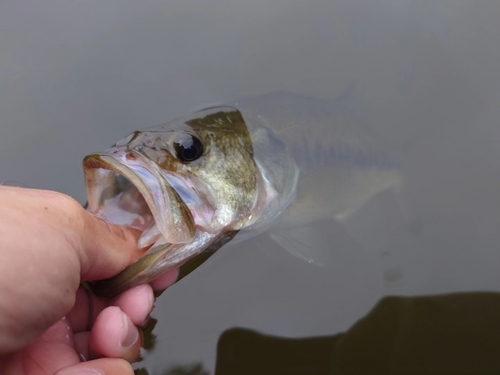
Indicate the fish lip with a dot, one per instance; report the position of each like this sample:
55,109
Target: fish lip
157,193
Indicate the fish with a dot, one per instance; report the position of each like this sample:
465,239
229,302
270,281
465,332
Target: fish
224,174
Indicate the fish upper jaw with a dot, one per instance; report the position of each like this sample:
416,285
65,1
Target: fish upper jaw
147,202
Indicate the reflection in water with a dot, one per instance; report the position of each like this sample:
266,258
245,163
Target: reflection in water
447,334
149,338
196,369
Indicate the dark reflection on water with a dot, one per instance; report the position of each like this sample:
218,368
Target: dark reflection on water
196,369
448,334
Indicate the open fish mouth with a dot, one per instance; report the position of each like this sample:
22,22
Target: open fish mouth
125,188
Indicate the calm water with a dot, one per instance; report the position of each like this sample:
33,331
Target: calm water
77,76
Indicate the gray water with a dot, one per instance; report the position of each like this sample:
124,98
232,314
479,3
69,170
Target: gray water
76,76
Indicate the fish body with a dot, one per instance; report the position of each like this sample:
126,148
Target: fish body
279,160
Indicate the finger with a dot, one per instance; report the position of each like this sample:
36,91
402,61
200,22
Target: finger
137,303
85,310
53,350
106,249
164,281
81,344
79,315
102,366
114,335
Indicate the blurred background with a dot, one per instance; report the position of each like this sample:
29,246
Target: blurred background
77,76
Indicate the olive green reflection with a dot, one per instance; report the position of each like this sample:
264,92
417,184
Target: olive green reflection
196,369
448,334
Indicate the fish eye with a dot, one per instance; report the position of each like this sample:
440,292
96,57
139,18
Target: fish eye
188,148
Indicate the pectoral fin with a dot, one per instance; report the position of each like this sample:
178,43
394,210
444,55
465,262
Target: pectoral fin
311,243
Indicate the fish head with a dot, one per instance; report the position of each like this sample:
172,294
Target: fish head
191,174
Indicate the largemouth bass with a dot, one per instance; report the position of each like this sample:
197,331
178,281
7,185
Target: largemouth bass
232,172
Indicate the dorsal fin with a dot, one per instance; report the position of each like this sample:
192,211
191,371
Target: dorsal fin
353,100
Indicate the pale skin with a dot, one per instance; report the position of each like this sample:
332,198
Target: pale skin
49,324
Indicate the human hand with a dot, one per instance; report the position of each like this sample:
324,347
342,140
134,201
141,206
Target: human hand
48,245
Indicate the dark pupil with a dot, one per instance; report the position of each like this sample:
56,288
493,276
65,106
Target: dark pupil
188,148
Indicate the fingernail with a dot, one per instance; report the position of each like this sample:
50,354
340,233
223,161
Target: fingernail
131,333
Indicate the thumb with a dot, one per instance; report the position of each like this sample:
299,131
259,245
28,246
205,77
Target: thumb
105,249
